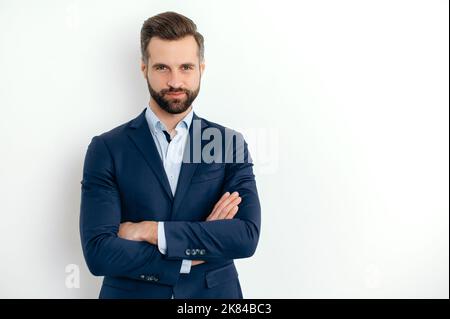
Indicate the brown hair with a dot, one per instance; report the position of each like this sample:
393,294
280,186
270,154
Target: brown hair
169,26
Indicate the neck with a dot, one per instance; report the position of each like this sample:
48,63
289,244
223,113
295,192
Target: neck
169,120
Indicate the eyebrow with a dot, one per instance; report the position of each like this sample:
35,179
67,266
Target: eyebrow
183,64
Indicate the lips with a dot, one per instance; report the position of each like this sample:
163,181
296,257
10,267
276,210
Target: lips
175,93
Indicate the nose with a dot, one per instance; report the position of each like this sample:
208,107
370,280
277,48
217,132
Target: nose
175,81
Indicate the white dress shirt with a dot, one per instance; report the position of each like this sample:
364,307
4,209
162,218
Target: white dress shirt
171,155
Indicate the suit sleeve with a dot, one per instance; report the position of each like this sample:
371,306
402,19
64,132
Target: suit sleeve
222,239
100,215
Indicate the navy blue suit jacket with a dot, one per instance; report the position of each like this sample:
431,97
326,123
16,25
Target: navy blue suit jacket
124,180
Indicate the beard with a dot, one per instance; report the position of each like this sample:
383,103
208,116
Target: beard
173,105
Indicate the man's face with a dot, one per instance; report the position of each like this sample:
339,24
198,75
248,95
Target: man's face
173,73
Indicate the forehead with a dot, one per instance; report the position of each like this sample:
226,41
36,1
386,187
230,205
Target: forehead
172,51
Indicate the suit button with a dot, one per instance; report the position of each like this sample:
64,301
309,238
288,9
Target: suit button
149,278
202,251
187,252
194,252
142,276
156,278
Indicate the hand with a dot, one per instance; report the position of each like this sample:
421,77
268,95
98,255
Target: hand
226,207
143,231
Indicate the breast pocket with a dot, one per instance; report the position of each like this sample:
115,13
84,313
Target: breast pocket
207,172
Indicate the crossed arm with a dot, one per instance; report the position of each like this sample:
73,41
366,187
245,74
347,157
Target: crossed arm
225,208
224,235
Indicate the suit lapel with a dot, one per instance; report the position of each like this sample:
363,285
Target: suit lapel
188,166
142,137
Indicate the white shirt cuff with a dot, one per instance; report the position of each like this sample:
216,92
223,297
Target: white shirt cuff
162,245
186,266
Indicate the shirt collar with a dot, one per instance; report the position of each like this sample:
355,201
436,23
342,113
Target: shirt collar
155,123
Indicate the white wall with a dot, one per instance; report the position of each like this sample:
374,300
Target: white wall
345,105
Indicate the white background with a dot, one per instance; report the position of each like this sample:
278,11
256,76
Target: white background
349,101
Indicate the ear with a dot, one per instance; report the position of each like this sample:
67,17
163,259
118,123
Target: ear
202,67
143,68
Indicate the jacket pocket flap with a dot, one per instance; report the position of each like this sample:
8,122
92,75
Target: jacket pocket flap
118,282
220,275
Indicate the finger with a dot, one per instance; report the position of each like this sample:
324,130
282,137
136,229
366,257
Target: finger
232,212
197,262
227,208
222,200
223,205
122,231
122,225
123,228
224,196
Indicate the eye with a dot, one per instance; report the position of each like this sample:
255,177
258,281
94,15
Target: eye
187,67
160,67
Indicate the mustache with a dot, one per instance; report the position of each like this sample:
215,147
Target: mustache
163,92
